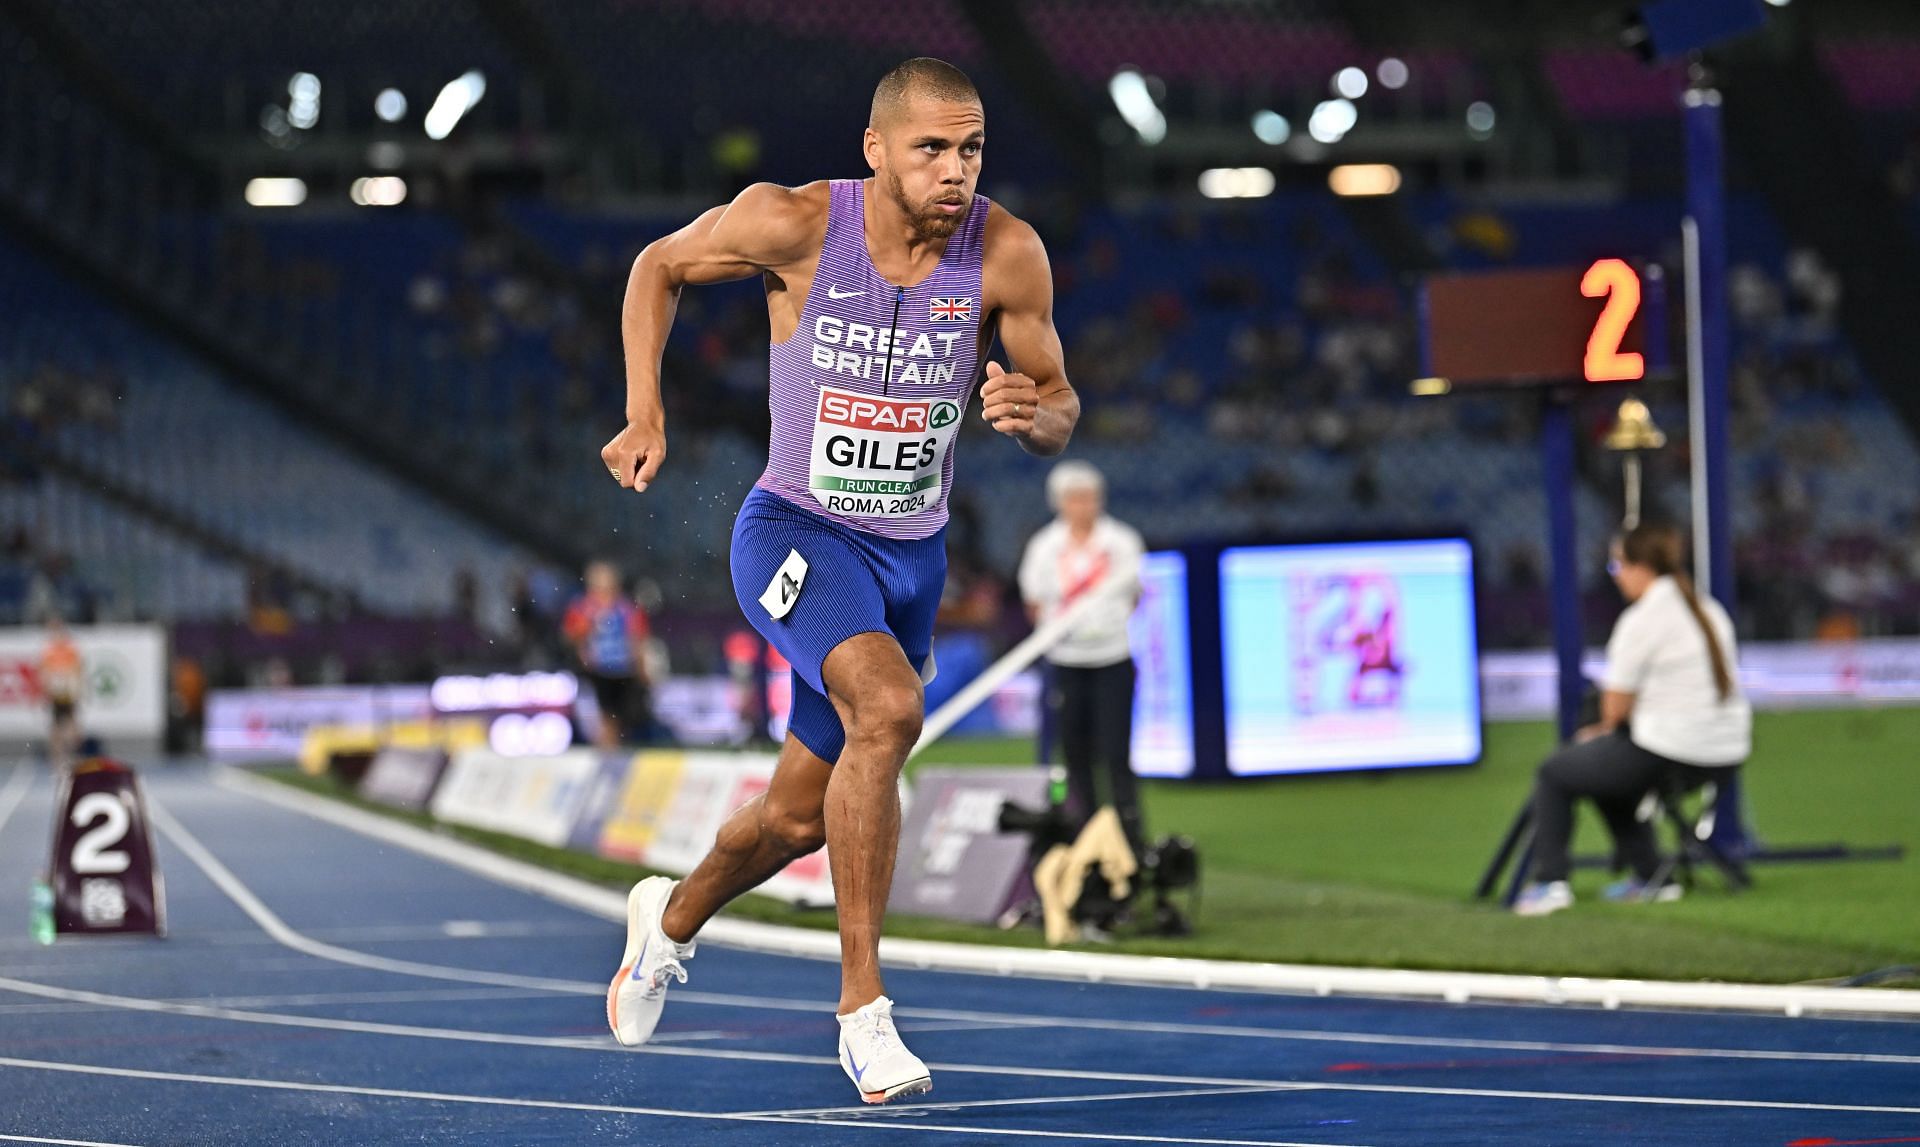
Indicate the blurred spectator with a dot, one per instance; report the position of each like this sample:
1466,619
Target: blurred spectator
609,635
186,705
63,683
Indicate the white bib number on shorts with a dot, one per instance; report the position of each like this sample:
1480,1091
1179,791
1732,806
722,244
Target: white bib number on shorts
880,457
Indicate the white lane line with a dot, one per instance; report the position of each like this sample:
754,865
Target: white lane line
309,999
462,930
1648,1100
409,996
18,782
692,1037
1314,1035
963,1025
601,1044
272,924
284,1019
606,1108
375,933
1031,1133
62,1142
1098,1097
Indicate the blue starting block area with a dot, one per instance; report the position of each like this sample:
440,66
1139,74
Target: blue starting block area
317,986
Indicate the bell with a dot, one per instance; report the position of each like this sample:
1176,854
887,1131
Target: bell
1633,428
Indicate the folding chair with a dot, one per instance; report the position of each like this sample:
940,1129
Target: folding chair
1693,831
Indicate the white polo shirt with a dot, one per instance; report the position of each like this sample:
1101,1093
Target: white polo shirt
1056,571
1658,654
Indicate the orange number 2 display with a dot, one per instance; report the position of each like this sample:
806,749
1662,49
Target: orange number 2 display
1621,284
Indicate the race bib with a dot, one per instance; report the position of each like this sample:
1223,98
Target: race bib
880,457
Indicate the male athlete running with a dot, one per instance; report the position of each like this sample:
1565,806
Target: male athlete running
883,295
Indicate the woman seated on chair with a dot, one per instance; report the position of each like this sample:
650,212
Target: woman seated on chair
1670,707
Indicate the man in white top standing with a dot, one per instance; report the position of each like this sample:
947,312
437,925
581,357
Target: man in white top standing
1083,551
1670,701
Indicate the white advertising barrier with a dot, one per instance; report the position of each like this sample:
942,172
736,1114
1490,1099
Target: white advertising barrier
711,786
534,798
125,667
270,724
1775,675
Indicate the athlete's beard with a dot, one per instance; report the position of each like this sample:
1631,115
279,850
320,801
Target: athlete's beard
927,221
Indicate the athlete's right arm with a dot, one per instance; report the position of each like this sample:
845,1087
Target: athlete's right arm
765,228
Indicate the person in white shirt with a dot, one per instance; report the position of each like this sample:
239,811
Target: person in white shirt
1670,702
1084,551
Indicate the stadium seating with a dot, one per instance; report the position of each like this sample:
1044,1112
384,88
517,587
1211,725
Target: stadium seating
171,429
243,56
123,566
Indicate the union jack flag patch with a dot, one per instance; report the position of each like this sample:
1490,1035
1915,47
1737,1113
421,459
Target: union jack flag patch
949,309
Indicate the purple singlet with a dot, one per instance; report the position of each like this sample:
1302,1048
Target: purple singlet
868,394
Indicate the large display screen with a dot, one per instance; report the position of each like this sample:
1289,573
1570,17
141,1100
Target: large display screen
1350,656
1163,659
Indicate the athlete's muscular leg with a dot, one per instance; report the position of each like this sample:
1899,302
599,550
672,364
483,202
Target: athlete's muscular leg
758,840
879,700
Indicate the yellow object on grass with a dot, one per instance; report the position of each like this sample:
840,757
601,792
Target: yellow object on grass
322,742
1062,872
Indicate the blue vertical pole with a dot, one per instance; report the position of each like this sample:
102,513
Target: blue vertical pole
1556,458
1706,207
1710,339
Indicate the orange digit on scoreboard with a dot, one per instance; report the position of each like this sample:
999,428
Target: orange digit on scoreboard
1620,283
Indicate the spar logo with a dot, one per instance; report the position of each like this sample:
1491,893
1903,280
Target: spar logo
897,416
943,414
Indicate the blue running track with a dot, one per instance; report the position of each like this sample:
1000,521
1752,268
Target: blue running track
337,990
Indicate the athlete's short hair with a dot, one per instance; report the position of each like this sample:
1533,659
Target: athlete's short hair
1071,475
920,76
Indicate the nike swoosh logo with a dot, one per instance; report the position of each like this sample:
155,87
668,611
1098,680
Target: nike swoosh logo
837,293
642,961
858,1070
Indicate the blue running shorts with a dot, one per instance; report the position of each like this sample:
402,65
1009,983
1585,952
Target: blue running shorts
807,583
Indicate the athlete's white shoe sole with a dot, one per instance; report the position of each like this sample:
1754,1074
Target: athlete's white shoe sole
914,1087
633,1005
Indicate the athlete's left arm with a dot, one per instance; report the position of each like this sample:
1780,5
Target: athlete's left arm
1034,404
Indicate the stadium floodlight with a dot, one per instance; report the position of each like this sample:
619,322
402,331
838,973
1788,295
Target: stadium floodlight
378,191
1350,83
1271,127
1236,182
1393,73
276,191
1355,179
454,101
1134,100
1332,120
303,107
390,105
1480,119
